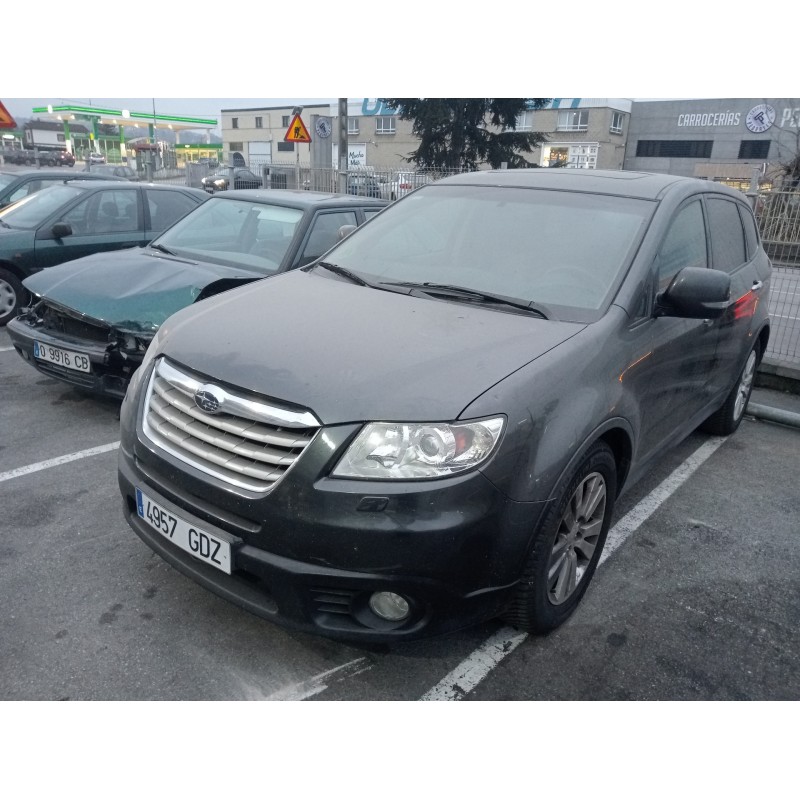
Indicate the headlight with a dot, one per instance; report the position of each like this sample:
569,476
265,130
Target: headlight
419,450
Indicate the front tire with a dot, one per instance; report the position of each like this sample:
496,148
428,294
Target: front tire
12,296
725,421
564,554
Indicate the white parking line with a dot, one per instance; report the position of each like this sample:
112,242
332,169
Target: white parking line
5,349
473,669
56,462
319,683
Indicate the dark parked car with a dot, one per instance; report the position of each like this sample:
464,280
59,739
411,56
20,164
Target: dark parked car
113,171
91,320
431,426
220,181
363,185
20,183
74,219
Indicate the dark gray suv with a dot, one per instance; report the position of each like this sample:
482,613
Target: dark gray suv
431,426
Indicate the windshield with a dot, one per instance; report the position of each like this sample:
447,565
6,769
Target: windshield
33,210
237,233
559,250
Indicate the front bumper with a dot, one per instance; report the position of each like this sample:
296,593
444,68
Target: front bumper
309,554
110,370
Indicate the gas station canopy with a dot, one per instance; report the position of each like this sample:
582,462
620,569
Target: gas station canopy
124,117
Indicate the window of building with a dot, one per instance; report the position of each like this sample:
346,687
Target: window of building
285,147
754,148
525,121
61,137
616,122
671,148
285,121
385,125
574,156
259,122
352,125
573,121
234,122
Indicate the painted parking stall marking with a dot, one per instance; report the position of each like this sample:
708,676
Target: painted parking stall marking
57,462
477,666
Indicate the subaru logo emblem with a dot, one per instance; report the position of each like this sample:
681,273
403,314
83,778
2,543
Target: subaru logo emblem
206,401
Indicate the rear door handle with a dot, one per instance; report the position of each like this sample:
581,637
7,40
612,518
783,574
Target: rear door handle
757,286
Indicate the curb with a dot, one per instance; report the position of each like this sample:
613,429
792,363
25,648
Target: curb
771,414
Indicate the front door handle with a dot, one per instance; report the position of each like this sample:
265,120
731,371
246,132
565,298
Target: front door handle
757,286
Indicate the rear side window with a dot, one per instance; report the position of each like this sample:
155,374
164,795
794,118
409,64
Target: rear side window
750,231
684,245
728,251
167,207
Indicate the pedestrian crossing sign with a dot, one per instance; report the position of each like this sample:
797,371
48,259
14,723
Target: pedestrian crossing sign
297,131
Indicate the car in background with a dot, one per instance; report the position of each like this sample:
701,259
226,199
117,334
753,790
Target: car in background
16,184
91,320
56,158
220,181
77,218
113,171
401,183
95,158
211,163
363,185
429,427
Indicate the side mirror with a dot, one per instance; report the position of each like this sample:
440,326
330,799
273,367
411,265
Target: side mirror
344,232
62,229
696,293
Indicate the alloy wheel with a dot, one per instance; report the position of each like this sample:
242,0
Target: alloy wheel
745,386
576,538
8,298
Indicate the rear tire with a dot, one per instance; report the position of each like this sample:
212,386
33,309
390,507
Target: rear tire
12,296
564,554
726,419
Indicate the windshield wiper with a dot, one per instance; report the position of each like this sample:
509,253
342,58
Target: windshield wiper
471,295
345,273
163,249
4,224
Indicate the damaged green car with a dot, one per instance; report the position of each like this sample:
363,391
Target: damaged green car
91,320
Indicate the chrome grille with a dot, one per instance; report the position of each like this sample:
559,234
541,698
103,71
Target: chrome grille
249,443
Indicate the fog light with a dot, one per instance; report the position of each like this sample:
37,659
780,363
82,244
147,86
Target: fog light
389,605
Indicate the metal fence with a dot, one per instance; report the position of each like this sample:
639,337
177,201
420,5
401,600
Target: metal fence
778,215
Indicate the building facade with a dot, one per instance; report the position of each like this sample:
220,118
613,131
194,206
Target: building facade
582,134
725,140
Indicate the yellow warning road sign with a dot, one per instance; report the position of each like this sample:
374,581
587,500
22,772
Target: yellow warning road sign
6,120
297,131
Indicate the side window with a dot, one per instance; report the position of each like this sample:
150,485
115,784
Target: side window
727,236
750,231
32,186
683,246
166,207
324,234
369,213
105,212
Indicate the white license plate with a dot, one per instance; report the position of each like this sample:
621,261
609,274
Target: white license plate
201,544
64,358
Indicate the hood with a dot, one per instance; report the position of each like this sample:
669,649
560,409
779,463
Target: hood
351,353
135,289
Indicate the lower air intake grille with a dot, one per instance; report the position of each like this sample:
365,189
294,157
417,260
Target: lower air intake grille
247,443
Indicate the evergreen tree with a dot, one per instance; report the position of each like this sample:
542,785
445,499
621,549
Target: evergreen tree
463,133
